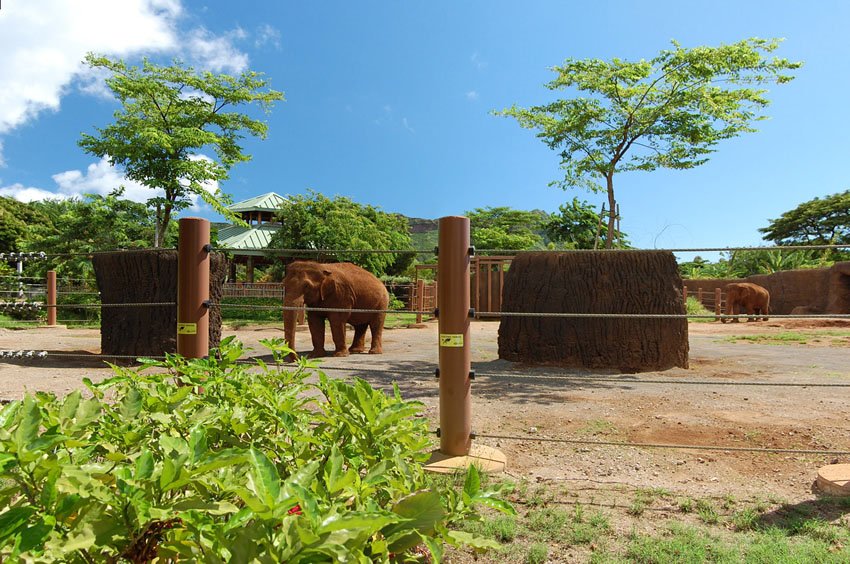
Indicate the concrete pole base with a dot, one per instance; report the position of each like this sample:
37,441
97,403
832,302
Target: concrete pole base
488,459
52,326
834,479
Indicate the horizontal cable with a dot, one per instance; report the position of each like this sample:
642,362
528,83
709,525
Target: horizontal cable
673,250
318,309
661,445
660,315
590,379
129,304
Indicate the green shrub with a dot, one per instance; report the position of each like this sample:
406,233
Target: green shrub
215,460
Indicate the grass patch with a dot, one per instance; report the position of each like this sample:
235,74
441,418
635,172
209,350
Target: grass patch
597,427
831,337
694,307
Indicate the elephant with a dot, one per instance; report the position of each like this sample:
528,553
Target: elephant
749,298
338,285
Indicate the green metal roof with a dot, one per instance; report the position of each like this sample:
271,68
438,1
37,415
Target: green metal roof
246,240
265,202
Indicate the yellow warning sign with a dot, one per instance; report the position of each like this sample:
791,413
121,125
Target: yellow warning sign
187,328
451,339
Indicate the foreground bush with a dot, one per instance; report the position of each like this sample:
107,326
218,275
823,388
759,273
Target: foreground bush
260,466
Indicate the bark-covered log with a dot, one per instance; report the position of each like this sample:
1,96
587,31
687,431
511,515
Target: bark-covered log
595,282
148,276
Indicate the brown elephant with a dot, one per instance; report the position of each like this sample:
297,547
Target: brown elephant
749,298
340,285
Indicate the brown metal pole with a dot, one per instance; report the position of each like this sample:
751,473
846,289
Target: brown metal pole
455,359
51,298
193,288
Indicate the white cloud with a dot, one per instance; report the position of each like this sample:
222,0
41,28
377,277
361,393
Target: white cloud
217,52
27,193
267,35
472,95
43,44
101,178
475,59
407,125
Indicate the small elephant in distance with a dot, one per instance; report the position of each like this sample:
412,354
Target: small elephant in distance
335,286
749,298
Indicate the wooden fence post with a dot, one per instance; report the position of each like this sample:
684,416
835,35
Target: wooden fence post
51,298
420,299
685,296
193,288
718,297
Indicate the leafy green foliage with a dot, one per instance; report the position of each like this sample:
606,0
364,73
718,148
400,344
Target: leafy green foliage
314,221
237,463
75,226
667,112
168,116
506,228
820,221
575,227
15,220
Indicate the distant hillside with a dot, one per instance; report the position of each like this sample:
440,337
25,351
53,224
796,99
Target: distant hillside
419,225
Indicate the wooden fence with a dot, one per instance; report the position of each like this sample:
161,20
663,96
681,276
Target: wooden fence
715,301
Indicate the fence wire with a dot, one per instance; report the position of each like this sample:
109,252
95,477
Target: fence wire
667,446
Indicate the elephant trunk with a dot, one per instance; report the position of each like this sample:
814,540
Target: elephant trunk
290,317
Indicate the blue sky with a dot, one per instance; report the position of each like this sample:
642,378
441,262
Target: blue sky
389,102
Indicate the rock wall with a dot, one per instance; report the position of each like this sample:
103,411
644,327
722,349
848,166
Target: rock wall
815,290
595,282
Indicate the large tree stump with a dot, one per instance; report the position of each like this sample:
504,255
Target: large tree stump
148,276
595,282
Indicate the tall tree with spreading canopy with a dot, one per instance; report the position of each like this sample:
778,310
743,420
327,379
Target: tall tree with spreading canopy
668,112
169,115
315,222
820,221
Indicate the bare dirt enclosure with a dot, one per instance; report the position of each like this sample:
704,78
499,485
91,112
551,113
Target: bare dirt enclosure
729,397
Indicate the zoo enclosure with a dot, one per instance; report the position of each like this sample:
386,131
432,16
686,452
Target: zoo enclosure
464,377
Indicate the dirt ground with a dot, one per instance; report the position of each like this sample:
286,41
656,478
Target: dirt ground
724,399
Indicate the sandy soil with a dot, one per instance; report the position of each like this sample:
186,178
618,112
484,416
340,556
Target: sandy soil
724,399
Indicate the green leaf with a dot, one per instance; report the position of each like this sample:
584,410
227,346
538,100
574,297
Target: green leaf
370,522
462,538
13,520
70,405
198,443
211,507
495,503
131,405
30,422
472,483
33,536
423,511
265,477
144,465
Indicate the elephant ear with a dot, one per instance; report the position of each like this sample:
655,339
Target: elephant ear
328,286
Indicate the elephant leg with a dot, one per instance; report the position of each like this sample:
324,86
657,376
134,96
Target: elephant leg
734,310
338,322
358,345
377,328
316,323
751,311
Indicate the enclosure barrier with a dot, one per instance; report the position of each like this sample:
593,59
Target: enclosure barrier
458,432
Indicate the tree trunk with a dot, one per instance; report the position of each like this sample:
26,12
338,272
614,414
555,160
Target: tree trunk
595,282
612,203
141,277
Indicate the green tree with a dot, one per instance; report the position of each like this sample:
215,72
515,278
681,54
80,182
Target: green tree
668,112
816,222
506,228
314,221
575,226
75,226
169,115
